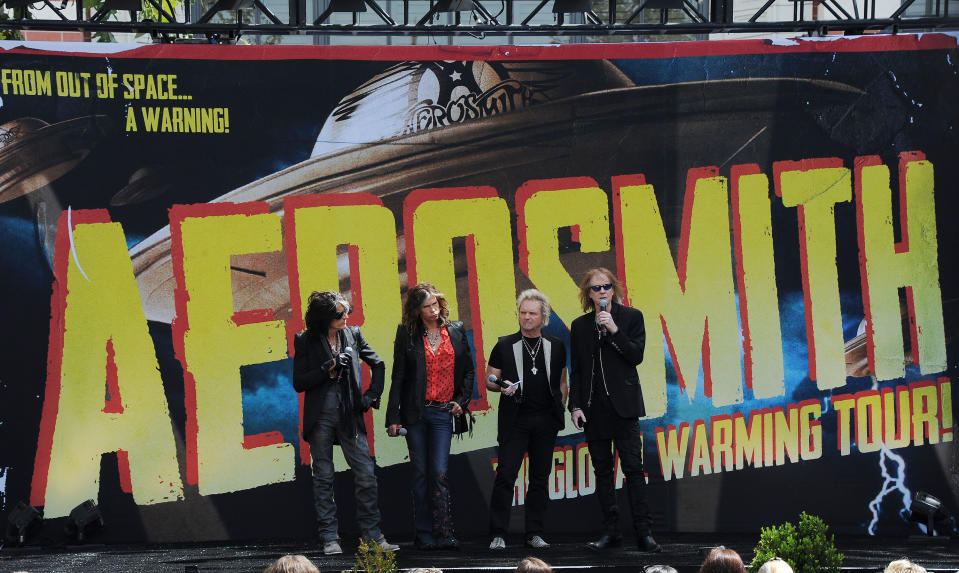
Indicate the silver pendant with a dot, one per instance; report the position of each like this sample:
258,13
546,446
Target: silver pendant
533,370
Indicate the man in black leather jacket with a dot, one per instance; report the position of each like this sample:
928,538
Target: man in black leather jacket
605,399
326,366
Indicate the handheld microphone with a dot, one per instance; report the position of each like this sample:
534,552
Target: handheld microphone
401,432
498,381
602,308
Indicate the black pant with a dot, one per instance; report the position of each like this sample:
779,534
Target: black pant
630,448
535,433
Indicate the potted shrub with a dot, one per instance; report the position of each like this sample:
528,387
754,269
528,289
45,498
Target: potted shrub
806,548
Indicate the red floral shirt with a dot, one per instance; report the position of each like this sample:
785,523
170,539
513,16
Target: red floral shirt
439,368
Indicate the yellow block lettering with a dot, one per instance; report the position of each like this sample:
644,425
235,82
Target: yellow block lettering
756,278
695,301
814,187
672,450
327,231
912,264
213,347
99,321
432,219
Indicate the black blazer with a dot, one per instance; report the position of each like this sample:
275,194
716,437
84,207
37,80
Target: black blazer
555,354
621,354
311,372
408,385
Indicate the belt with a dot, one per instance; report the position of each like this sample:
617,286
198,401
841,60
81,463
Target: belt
435,404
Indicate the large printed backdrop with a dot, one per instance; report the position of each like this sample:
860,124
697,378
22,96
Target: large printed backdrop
782,213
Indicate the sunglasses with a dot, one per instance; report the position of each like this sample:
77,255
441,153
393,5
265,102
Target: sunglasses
340,314
597,288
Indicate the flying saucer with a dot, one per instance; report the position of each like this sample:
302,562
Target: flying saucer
449,124
33,153
145,183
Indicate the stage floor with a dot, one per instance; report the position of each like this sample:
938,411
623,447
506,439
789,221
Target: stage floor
683,551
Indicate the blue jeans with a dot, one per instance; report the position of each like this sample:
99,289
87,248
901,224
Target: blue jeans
357,454
429,443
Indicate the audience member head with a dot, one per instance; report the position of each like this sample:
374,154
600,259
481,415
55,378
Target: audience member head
533,565
776,565
292,564
722,560
659,569
904,566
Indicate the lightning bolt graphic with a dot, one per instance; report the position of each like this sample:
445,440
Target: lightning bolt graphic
890,483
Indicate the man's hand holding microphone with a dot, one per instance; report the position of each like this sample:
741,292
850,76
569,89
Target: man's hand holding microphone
508,388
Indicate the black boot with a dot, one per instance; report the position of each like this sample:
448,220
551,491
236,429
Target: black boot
611,539
648,544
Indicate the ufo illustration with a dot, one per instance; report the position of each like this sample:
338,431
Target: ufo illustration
856,348
856,352
145,183
34,153
449,124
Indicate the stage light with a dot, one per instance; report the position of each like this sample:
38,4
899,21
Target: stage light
17,3
223,6
23,518
571,6
927,509
455,6
82,516
584,7
113,6
563,7
664,4
347,6
342,7
131,5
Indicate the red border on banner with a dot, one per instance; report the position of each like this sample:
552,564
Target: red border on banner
180,324
412,202
296,322
58,304
735,174
645,50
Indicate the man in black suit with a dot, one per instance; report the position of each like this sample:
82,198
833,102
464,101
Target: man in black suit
326,366
532,365
607,344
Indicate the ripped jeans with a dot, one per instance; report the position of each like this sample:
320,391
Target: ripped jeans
429,443
357,454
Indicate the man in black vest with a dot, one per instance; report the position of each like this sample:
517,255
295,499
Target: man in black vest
605,399
532,367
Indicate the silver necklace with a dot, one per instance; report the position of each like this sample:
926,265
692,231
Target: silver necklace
334,345
533,353
433,338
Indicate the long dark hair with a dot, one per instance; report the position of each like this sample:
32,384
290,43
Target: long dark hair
415,297
321,310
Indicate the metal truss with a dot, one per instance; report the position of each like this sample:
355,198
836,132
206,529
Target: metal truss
224,21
